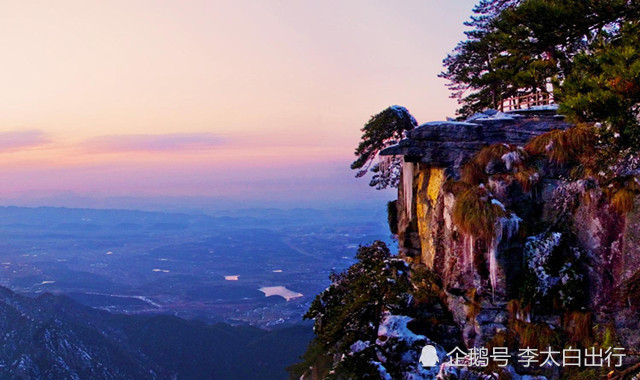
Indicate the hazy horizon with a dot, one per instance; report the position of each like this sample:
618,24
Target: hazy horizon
374,201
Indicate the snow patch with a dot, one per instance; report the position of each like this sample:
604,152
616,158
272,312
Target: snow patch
395,326
448,122
498,203
546,107
538,251
402,112
382,371
495,115
359,346
512,158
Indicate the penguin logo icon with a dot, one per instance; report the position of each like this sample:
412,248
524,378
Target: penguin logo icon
429,356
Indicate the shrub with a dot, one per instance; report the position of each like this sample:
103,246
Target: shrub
427,286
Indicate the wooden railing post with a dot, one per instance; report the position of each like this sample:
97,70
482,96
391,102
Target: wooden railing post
525,101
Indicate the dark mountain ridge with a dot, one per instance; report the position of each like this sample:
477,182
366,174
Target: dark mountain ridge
54,337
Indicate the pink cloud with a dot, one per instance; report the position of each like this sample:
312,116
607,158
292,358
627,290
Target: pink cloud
12,140
153,143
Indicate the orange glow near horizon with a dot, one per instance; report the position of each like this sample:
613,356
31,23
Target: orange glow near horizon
209,92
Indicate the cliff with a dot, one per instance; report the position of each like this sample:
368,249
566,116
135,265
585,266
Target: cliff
515,231
498,209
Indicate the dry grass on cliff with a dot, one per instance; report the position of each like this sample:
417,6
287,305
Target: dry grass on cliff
630,292
502,162
578,326
527,178
562,146
475,214
623,200
536,335
472,305
493,153
455,187
475,172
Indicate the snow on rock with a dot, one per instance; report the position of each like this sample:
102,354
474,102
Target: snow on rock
359,346
538,251
546,107
382,371
395,326
498,203
402,112
627,165
448,122
452,372
513,158
567,195
399,346
492,115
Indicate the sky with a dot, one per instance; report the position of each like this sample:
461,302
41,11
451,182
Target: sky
240,100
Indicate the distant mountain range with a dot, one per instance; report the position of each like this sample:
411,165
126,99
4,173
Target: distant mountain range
54,337
193,204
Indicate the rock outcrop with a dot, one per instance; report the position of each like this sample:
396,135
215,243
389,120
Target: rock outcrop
449,144
595,249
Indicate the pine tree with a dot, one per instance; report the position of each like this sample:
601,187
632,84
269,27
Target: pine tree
519,45
382,130
351,310
605,85
473,68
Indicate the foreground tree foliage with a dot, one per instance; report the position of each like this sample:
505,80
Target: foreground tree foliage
351,310
605,84
382,130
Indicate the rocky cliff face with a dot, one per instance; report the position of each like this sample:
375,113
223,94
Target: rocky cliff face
515,230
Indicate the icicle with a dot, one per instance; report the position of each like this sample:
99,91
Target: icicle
384,163
493,257
407,185
504,228
467,257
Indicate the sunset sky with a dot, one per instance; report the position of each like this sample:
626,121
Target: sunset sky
260,100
